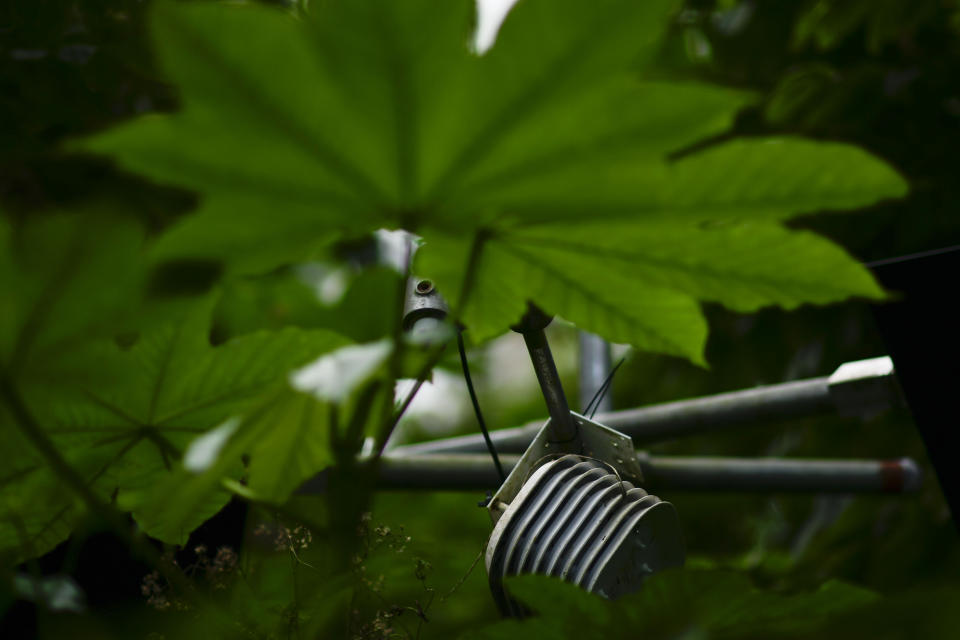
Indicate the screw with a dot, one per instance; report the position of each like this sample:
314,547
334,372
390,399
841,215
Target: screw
424,287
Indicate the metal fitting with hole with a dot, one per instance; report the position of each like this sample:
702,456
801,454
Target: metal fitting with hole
424,309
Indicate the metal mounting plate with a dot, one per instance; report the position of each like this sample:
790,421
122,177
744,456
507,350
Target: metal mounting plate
594,440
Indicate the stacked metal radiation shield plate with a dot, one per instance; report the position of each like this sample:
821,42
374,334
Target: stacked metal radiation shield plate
576,519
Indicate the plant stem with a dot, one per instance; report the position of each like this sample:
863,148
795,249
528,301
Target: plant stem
476,247
470,272
353,437
421,378
393,367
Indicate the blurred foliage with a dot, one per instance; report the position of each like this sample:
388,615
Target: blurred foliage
128,300
880,74
689,604
678,603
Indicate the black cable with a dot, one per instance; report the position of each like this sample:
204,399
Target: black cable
601,392
476,406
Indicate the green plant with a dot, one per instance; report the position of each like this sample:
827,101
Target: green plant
558,168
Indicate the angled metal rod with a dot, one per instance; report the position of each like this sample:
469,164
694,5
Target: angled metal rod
474,472
562,427
863,388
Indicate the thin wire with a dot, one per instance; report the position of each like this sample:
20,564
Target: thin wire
597,398
466,575
601,392
476,406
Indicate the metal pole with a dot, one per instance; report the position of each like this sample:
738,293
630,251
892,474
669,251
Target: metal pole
562,427
712,413
595,365
864,387
469,472
782,475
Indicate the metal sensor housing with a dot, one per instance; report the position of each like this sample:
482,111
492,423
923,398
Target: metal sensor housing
579,516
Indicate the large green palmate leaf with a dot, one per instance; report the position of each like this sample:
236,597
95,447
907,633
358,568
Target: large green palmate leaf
67,282
126,435
370,113
288,435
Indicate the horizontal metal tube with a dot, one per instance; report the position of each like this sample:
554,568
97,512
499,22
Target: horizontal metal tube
448,472
661,422
865,387
512,440
739,408
782,475
668,473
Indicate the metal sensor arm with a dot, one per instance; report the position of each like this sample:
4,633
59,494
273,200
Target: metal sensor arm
864,387
563,428
473,472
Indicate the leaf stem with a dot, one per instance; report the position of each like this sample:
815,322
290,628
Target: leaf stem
421,378
476,247
480,238
346,444
387,423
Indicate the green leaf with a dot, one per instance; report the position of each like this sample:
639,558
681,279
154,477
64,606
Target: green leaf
744,265
36,514
196,386
172,385
579,287
370,114
289,298
287,438
674,603
725,603
417,114
295,445
68,280
772,178
638,283
624,122
258,133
